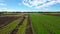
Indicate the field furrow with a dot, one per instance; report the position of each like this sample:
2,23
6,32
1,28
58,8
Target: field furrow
8,28
29,28
21,23
30,23
6,20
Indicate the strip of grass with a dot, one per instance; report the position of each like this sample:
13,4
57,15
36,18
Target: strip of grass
7,29
22,28
12,14
52,22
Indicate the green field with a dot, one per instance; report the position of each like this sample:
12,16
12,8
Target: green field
31,23
45,24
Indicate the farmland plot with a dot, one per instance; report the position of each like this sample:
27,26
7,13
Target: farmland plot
38,28
52,14
17,27
30,24
45,24
20,25
6,20
8,28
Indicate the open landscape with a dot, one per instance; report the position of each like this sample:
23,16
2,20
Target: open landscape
29,23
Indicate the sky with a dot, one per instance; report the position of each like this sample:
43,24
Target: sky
30,5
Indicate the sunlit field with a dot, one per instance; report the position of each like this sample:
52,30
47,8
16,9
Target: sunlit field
29,23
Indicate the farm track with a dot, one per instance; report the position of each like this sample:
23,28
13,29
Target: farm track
16,29
50,32
29,28
6,20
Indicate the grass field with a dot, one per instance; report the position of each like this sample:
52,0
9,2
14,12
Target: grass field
45,24
30,23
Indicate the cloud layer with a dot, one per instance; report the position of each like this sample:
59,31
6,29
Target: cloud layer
3,5
40,3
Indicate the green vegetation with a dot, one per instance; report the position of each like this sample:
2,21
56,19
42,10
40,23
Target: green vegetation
7,29
38,28
44,24
51,22
41,24
22,28
13,15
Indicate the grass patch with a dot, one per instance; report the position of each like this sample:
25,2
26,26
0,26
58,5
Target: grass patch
22,28
7,29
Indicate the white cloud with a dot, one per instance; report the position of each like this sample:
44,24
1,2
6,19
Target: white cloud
12,10
3,8
26,4
47,4
2,3
33,3
58,1
39,2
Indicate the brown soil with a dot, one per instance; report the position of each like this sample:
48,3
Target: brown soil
2,15
6,20
16,29
29,28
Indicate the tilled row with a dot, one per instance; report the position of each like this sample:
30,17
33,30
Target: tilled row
29,28
16,29
6,20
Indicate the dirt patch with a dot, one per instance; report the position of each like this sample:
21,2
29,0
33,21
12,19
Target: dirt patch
6,20
29,28
16,29
2,15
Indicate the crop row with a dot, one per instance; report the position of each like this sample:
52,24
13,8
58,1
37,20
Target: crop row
45,24
8,28
18,26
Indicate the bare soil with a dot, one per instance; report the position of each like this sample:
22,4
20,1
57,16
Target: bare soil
29,28
6,20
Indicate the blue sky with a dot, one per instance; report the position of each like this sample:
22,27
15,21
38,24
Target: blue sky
30,5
